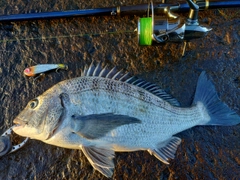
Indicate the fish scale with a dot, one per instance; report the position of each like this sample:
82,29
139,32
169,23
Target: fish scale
104,111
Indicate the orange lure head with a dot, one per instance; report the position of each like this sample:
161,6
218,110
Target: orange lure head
29,71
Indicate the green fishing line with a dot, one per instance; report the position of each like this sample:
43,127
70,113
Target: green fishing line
145,36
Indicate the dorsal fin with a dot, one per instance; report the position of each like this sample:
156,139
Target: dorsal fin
111,73
90,70
104,72
114,74
97,70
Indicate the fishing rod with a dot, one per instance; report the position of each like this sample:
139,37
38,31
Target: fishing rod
160,23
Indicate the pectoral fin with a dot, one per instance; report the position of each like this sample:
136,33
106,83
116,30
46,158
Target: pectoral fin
100,159
97,125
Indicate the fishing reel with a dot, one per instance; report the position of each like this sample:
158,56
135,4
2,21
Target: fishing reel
170,27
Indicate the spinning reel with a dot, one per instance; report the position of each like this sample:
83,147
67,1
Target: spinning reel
170,27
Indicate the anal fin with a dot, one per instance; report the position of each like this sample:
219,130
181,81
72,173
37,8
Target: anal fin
166,150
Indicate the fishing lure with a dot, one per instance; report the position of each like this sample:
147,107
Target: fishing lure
6,146
41,68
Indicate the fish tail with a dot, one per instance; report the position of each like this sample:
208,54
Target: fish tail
218,113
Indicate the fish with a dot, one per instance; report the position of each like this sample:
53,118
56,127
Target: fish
41,68
106,111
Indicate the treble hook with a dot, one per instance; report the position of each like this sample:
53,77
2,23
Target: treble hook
6,146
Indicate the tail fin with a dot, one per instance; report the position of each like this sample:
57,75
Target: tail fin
218,111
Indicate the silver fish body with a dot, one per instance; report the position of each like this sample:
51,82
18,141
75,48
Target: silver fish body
106,111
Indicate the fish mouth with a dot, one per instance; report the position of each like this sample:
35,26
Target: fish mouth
18,123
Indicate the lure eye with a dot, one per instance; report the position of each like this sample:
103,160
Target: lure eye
33,103
27,71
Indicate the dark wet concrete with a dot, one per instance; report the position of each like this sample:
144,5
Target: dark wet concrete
205,152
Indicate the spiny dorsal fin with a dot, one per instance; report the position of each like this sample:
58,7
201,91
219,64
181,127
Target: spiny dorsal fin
97,70
104,72
114,74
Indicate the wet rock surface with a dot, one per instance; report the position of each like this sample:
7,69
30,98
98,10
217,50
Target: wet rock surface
205,152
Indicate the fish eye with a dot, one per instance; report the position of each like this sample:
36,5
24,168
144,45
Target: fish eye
33,103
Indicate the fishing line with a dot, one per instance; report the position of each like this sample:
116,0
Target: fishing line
68,36
227,16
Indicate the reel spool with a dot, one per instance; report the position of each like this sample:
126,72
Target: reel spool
169,27
160,29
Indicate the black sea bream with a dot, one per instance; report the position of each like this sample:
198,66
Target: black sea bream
104,111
